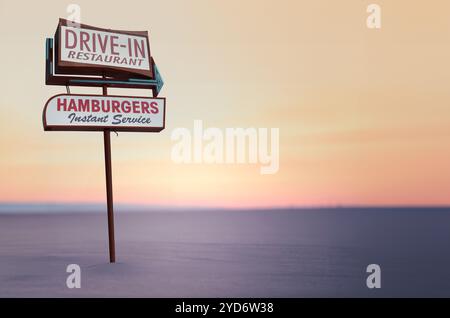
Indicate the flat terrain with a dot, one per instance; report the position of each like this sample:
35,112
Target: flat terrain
286,253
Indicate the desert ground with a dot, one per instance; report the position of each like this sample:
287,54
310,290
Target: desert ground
218,253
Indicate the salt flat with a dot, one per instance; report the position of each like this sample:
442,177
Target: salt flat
279,253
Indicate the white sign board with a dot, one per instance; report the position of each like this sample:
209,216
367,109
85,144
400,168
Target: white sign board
99,51
98,112
104,48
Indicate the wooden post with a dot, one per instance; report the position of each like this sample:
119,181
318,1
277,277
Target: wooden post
109,193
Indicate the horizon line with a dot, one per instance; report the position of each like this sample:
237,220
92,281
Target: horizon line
91,207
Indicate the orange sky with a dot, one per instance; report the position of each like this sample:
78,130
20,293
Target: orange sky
364,115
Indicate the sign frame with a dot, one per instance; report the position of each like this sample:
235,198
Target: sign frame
66,67
70,80
102,128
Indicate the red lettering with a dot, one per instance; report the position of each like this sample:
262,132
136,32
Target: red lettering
94,43
84,38
67,39
154,106
145,106
129,47
126,108
95,106
115,106
61,103
72,107
140,48
102,45
83,105
113,45
105,106
135,106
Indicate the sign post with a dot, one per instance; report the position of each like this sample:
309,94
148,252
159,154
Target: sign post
105,58
109,191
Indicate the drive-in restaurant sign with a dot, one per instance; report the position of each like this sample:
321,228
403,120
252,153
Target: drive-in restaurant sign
94,51
82,55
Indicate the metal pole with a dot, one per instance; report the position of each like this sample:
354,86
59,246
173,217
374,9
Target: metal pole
109,193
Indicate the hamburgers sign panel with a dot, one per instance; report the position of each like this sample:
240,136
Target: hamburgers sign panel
84,49
100,112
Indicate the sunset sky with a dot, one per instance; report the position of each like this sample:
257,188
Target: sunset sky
364,114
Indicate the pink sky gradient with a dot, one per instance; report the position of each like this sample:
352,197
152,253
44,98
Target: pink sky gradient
364,115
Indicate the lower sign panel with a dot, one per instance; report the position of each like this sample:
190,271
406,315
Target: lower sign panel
99,112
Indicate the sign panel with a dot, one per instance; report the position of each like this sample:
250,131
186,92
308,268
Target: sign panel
83,49
100,112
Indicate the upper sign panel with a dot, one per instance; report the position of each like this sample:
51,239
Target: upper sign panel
87,50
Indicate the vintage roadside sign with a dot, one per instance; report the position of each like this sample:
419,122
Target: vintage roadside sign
155,84
97,112
84,49
83,55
